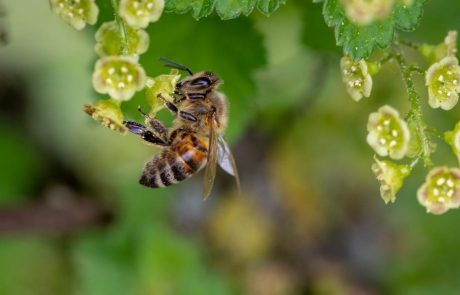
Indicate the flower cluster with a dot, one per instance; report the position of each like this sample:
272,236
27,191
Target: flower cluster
441,190
365,12
119,44
356,77
77,13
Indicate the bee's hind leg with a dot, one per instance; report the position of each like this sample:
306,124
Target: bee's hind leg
144,133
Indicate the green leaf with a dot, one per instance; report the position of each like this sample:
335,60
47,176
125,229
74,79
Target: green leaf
220,47
226,9
315,35
360,41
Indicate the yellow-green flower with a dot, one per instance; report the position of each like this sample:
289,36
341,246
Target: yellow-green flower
77,13
388,133
451,43
162,84
356,77
109,40
364,12
119,76
391,177
441,190
108,113
139,13
453,138
407,2
435,53
442,80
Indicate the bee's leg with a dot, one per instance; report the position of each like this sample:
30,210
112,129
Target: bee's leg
145,134
158,127
175,110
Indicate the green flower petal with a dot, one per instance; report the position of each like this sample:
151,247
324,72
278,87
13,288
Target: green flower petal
162,84
391,177
109,41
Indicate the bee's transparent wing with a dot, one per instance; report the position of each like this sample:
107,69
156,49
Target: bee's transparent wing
226,160
210,170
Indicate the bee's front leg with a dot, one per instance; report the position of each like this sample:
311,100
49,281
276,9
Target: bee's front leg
175,110
144,133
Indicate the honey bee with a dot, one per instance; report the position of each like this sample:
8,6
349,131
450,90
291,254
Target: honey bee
196,138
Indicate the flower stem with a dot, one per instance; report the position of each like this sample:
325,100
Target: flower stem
416,109
121,28
407,43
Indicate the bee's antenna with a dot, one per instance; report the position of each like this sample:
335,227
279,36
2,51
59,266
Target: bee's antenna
175,65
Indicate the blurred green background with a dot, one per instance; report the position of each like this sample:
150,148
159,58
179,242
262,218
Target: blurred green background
73,219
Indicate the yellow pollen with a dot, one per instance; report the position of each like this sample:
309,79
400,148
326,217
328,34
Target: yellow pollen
121,85
441,181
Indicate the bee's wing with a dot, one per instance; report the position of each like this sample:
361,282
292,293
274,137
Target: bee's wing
226,160
210,170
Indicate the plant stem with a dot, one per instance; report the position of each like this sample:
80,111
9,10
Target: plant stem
435,132
121,28
407,43
416,109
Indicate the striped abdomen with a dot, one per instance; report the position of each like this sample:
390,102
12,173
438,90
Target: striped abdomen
185,157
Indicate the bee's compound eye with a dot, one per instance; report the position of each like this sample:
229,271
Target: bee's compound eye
202,82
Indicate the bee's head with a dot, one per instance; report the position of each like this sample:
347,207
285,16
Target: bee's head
199,82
